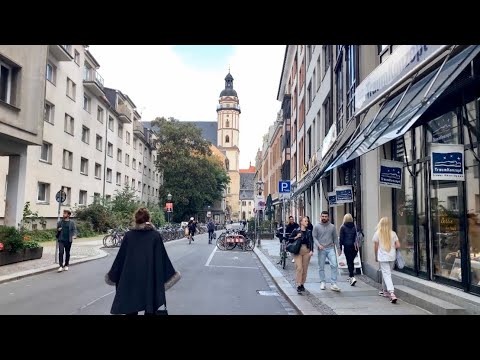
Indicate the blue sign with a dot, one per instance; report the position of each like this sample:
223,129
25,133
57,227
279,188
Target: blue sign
332,199
391,174
447,162
284,186
344,194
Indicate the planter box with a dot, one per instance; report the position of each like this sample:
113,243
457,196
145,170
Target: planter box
7,258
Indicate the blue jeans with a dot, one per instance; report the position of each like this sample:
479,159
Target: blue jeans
332,259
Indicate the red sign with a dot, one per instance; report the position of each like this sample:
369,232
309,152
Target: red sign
169,207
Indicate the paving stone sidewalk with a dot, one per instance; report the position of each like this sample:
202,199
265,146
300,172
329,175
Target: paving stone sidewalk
361,299
82,250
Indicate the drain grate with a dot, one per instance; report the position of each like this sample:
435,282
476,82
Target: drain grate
268,293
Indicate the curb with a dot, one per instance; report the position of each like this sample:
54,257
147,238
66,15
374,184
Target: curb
26,273
302,305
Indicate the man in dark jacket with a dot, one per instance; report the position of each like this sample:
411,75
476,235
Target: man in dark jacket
348,240
142,270
211,230
66,232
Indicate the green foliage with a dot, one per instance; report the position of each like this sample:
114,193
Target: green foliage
157,215
96,214
30,218
85,229
30,244
11,238
191,174
42,235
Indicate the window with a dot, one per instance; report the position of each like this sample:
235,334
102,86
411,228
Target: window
139,187
227,123
68,192
452,203
69,125
85,135
82,198
110,149
99,143
134,143
144,169
339,95
67,159
120,131
244,203
98,171
327,110
83,166
108,198
309,95
96,197
127,137
149,173
127,159
100,113
49,112
87,102
309,139
5,82
119,178
327,57
110,123
71,89
139,167
51,74
109,175
351,79
119,155
133,184
227,139
134,164
76,57
43,193
140,148
127,180
46,152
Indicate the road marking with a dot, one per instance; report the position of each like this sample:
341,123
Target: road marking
234,267
92,302
211,256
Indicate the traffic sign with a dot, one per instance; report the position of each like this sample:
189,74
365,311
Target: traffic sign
61,196
284,186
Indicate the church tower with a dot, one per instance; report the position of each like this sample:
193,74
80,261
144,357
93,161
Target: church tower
228,118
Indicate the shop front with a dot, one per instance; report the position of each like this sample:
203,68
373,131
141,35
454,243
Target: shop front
420,165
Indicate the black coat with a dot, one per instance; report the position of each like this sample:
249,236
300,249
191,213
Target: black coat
348,234
141,272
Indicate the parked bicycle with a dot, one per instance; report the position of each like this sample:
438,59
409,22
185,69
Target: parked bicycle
114,237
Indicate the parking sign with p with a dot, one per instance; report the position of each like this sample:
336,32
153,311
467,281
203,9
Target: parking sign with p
284,187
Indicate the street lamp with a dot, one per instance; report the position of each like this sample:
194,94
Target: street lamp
169,210
259,185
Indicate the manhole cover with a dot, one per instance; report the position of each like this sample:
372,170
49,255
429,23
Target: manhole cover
267,293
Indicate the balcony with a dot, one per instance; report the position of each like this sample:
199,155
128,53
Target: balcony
138,129
229,107
61,52
93,82
125,114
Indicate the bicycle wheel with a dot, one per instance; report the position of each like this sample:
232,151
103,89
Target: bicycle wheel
108,241
284,259
250,244
221,242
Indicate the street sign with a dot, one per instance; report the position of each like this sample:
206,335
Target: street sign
284,186
285,196
61,196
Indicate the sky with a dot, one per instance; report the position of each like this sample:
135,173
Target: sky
185,82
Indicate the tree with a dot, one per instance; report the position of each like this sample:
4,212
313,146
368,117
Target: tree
191,173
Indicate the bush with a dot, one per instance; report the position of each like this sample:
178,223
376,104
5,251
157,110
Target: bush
30,244
11,238
98,215
85,229
42,235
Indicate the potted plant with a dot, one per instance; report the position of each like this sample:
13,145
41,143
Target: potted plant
17,247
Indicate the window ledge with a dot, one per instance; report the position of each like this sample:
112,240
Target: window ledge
42,203
10,106
51,82
84,174
71,98
45,162
64,168
98,178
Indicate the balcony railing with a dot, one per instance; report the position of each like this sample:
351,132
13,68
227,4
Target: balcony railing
61,52
124,112
228,107
92,75
138,128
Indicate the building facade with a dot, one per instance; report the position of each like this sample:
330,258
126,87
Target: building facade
228,122
389,130
247,193
93,140
22,96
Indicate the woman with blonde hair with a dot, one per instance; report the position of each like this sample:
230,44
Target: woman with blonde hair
348,240
302,259
386,242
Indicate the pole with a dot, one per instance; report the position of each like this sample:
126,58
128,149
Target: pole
283,215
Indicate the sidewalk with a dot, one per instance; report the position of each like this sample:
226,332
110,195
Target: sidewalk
82,250
361,299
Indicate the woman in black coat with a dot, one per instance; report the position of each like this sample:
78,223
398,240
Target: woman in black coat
348,240
142,270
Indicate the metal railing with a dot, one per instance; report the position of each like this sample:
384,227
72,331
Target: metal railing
94,76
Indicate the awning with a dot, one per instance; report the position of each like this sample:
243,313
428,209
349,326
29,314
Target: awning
399,114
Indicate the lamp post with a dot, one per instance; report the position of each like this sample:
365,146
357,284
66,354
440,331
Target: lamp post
259,185
169,210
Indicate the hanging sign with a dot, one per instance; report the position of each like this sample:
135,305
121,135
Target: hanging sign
447,162
391,174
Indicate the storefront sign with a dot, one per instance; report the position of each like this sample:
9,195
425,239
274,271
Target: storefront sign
403,59
344,194
391,174
329,140
259,202
332,199
447,162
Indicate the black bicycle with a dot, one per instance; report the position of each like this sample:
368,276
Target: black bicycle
283,249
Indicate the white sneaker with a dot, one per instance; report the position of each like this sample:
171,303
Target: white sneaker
60,269
352,281
322,286
293,260
334,287
65,268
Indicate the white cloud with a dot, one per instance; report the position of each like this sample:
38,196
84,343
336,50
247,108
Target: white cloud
160,83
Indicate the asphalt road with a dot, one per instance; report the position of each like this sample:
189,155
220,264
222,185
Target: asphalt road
213,282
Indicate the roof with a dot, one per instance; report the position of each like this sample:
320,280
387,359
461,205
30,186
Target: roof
251,169
247,181
228,91
246,195
208,128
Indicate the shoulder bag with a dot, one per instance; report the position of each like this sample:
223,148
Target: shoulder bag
294,247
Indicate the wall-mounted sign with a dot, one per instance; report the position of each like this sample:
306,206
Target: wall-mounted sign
391,174
447,162
403,59
332,199
344,194
329,140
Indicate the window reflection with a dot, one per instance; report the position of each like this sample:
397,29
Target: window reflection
405,218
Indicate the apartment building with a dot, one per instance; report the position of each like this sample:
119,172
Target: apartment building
93,140
22,94
247,193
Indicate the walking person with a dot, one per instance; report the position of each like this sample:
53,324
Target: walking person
302,259
325,238
348,240
142,270
292,225
66,232
386,242
211,230
192,227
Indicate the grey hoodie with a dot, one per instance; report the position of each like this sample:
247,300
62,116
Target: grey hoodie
325,235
